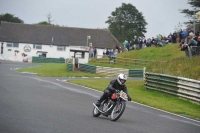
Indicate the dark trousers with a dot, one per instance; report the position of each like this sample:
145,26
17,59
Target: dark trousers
106,94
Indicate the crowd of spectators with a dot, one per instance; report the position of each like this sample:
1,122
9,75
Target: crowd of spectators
185,37
191,44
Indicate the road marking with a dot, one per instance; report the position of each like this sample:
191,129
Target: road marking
67,88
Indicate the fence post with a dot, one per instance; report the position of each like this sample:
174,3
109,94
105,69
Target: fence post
189,52
144,71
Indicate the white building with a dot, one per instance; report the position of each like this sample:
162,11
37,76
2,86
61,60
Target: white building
51,42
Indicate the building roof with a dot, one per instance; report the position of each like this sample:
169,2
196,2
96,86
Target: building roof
66,36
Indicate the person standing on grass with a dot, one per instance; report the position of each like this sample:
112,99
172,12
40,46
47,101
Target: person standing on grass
104,52
117,47
174,36
91,52
95,51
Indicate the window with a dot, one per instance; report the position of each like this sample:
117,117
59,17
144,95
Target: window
35,46
79,55
9,44
60,48
16,45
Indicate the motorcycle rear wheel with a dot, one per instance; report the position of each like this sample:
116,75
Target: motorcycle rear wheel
117,111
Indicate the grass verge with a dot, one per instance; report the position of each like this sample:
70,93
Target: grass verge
56,70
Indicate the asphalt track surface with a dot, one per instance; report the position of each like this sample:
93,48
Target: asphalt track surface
32,104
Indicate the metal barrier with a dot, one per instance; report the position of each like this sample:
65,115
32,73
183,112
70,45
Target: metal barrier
124,61
182,87
192,51
135,73
109,71
87,68
47,60
70,67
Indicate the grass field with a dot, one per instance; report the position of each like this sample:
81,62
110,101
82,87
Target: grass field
56,70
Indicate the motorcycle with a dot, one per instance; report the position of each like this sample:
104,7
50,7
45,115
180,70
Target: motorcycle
113,106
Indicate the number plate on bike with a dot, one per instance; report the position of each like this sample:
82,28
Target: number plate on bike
123,95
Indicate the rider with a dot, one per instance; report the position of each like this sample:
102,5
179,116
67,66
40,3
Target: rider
116,84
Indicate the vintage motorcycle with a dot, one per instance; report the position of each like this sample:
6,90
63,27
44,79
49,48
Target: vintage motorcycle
113,106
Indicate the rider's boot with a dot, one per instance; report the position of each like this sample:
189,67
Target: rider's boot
103,97
98,103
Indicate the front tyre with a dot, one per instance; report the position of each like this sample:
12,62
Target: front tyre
117,111
95,112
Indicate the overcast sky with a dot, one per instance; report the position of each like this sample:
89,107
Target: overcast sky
161,15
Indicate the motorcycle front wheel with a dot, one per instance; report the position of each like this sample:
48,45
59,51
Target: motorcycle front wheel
117,111
95,112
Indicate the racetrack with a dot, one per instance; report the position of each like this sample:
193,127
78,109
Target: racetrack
32,104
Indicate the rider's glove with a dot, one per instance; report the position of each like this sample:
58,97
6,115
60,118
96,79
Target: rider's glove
129,99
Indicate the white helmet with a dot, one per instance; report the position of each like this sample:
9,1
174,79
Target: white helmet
121,77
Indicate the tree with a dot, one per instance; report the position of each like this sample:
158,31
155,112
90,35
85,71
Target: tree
49,18
10,18
43,23
126,22
195,4
48,22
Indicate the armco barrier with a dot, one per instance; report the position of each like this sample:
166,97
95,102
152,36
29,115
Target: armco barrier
47,60
110,71
135,73
182,87
70,67
87,68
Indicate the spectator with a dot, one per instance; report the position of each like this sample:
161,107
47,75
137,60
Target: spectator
183,36
91,51
128,46
117,47
95,52
125,43
140,43
104,51
115,55
149,42
159,37
131,45
198,41
191,42
136,43
196,36
153,41
198,46
111,54
107,52
174,36
144,41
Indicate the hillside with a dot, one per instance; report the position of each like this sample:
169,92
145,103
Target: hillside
175,61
